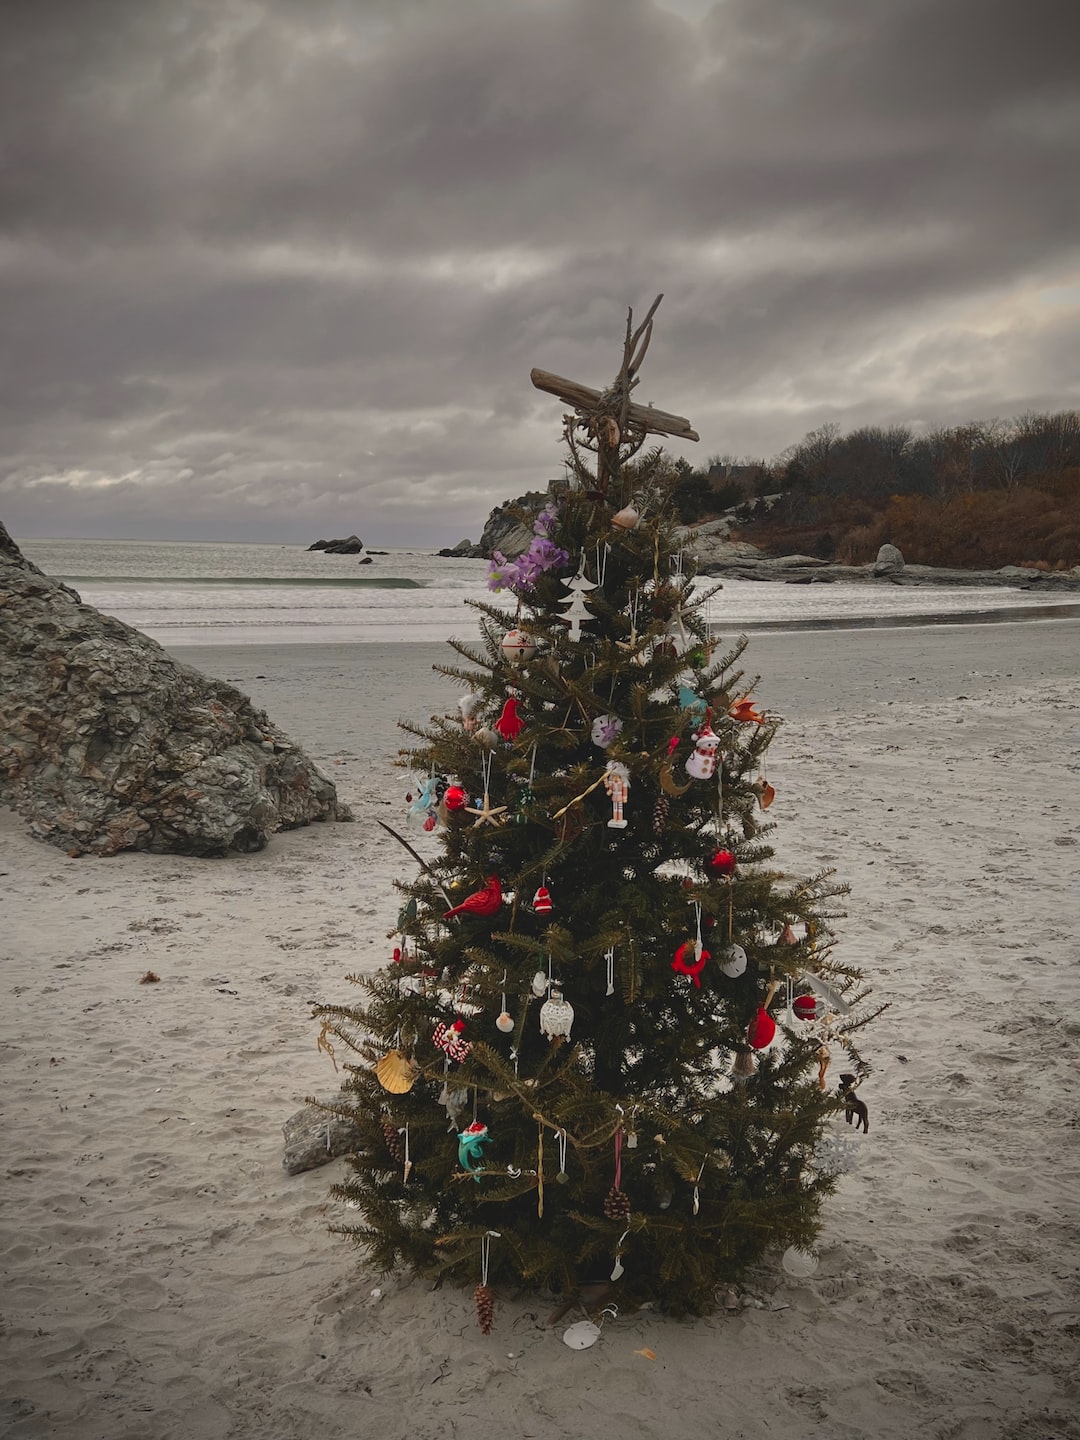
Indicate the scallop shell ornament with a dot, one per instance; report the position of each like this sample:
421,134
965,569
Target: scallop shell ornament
396,1072
505,1022
626,519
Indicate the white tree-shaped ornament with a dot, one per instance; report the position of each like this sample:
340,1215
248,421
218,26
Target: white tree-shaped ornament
575,606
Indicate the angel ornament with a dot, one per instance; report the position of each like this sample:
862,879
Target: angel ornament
617,786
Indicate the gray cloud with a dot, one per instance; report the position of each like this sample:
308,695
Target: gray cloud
275,267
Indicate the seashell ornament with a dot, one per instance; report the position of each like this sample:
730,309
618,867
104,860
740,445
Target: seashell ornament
626,519
396,1072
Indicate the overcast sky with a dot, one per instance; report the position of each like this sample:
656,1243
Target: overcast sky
279,269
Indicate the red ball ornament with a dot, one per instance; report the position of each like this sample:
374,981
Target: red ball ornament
805,1007
455,798
761,1029
722,863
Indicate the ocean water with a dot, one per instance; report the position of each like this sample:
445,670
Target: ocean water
184,593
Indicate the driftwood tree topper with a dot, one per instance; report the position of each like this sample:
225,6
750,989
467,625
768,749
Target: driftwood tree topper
607,422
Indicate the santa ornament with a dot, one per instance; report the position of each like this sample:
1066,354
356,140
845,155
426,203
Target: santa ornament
542,901
701,765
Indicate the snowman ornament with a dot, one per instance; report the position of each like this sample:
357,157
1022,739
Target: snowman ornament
701,765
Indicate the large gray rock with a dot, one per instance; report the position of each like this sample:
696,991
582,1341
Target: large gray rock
108,744
889,561
314,1136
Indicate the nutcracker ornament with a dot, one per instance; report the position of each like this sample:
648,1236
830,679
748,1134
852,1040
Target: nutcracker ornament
617,785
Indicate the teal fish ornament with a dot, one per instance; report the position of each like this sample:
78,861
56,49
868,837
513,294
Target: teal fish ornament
470,1147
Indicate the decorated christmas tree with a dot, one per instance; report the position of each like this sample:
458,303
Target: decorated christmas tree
604,1057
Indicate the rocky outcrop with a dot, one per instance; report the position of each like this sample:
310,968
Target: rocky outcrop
351,545
108,744
505,530
809,570
463,550
889,561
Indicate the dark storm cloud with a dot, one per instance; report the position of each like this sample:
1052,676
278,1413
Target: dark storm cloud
285,264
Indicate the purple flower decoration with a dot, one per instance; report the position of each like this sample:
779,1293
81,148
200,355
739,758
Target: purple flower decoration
543,554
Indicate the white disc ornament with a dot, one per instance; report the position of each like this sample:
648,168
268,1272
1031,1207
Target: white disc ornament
733,962
799,1263
581,1335
518,647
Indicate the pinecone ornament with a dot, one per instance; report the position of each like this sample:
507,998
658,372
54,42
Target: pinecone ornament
616,1204
660,813
393,1142
485,1308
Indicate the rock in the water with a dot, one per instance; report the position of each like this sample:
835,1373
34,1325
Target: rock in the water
351,545
314,1137
108,744
463,550
889,561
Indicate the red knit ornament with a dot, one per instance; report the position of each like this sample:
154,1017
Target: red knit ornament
805,1006
722,863
761,1029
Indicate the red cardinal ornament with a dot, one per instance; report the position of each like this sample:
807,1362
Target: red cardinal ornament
483,902
722,863
686,963
510,724
761,1029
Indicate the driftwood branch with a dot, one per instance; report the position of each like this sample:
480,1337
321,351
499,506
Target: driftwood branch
583,397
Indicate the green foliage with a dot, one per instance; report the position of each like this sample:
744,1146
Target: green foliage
715,1170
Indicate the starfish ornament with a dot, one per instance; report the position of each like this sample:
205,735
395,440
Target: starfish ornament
486,814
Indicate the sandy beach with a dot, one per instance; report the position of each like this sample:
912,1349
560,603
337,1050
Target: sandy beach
161,1276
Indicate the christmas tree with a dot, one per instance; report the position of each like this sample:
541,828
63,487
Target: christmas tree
599,1057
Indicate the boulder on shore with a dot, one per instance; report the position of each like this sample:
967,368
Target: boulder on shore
889,561
108,744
